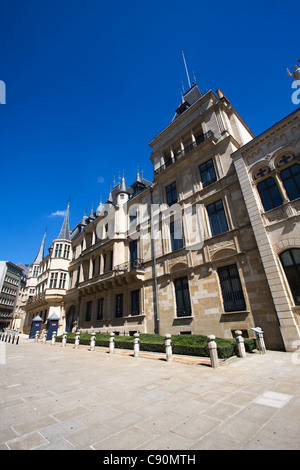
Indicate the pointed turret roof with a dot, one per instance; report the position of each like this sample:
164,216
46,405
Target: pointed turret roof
65,231
40,256
122,188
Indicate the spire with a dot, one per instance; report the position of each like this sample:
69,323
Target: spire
65,232
40,256
110,199
91,216
99,210
123,188
84,218
138,178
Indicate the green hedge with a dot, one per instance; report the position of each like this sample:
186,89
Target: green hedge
192,345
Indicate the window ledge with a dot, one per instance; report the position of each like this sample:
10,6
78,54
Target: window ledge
236,312
186,317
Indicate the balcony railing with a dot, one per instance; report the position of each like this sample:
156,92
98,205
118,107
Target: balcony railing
184,152
133,265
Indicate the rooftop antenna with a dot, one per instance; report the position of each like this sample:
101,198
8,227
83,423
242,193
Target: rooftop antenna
187,73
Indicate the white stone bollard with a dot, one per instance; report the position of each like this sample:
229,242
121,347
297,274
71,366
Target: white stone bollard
112,343
93,341
77,340
213,351
240,344
36,338
136,345
53,338
168,345
64,340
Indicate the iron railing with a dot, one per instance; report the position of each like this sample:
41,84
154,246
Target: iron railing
184,152
132,265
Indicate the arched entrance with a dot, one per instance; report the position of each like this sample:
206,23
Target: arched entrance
71,318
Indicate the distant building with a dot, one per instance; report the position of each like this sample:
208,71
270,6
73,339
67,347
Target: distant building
209,246
10,282
18,313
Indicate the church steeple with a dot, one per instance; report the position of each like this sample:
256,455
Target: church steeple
65,231
40,256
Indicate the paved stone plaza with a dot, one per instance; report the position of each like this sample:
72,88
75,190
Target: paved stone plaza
60,398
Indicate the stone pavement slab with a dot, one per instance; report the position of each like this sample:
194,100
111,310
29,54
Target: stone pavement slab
54,398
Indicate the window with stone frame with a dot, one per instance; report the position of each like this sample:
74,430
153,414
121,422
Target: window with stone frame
290,178
171,194
217,218
232,292
135,302
207,173
269,193
88,314
100,307
182,294
290,260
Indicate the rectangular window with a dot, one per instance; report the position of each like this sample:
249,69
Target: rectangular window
183,303
176,236
119,305
171,193
135,302
67,251
217,218
58,250
35,271
53,280
232,292
100,309
207,173
88,315
62,280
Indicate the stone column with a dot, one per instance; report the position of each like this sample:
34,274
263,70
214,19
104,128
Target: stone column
112,343
168,345
136,345
213,351
240,343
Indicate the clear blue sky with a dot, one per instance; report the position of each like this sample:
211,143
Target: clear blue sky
90,83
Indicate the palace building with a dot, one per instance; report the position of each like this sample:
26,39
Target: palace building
210,245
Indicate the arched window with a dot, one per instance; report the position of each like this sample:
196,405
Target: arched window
290,260
269,194
291,180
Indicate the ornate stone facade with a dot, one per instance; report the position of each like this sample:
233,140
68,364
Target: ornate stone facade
191,251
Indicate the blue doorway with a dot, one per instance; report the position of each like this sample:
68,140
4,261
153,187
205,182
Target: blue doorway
36,325
52,325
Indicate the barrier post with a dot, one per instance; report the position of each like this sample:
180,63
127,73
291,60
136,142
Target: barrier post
112,343
136,345
213,351
168,345
240,344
